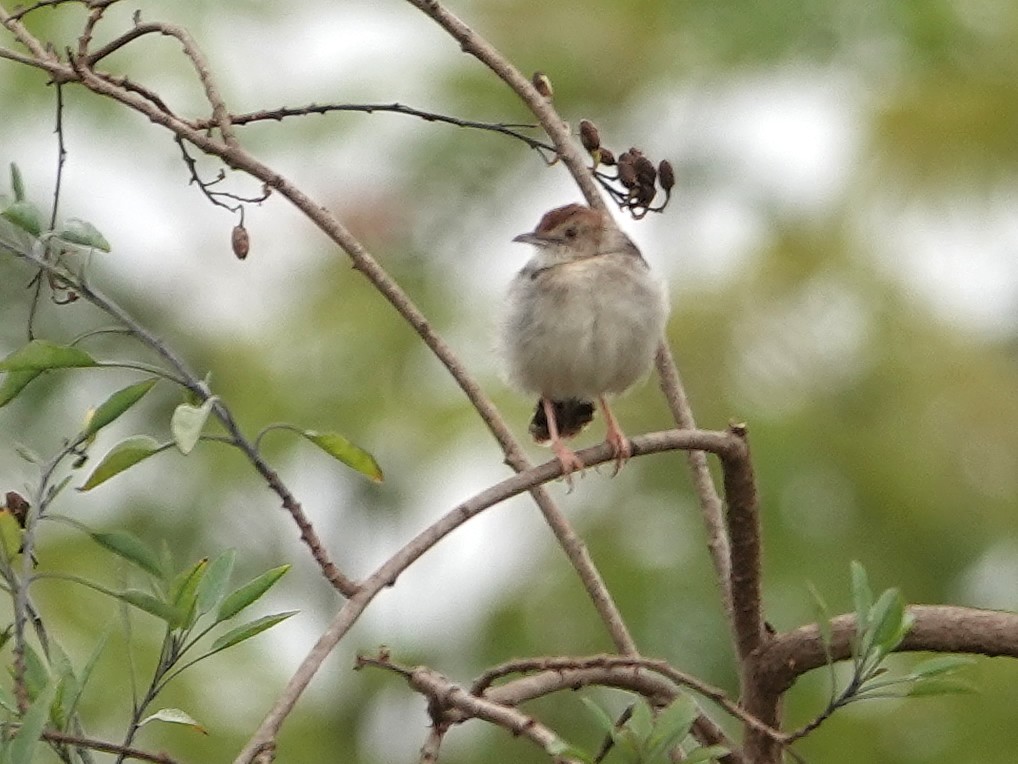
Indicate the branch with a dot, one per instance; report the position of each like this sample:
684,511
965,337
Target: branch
387,574
277,115
936,628
711,508
101,745
540,107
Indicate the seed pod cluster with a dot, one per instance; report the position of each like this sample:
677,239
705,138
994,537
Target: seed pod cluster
637,175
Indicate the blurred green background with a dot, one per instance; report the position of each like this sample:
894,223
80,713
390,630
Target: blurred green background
842,249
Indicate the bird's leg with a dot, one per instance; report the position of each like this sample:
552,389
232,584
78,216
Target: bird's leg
615,438
570,462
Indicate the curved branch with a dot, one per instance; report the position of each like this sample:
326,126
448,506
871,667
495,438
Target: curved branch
936,628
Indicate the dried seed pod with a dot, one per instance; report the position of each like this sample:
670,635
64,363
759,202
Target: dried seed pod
646,173
240,241
666,175
589,136
18,506
644,195
627,171
542,84
605,157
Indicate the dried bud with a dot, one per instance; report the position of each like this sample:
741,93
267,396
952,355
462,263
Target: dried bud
17,506
627,171
635,152
589,136
542,84
666,175
605,157
644,195
646,173
240,241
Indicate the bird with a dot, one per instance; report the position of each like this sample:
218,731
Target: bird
581,322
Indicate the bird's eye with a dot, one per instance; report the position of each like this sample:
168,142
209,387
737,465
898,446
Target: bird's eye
570,232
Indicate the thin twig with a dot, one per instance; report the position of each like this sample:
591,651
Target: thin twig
101,745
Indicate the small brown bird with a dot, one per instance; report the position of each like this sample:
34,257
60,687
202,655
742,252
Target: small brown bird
583,320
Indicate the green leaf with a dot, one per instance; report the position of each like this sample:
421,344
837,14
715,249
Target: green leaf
152,605
940,686
17,183
249,592
83,233
117,404
862,596
7,701
173,716
14,382
213,584
248,630
125,454
187,422
671,726
37,676
823,618
886,620
183,592
22,747
940,665
131,548
605,722
642,721
86,672
38,355
705,754
353,456
25,216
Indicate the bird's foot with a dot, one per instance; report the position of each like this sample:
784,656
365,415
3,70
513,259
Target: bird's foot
620,447
569,460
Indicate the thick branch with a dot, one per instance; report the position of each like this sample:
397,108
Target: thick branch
936,628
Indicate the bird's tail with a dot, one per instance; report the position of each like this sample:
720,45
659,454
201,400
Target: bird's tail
571,415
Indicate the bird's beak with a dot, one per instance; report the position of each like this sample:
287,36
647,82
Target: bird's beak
531,238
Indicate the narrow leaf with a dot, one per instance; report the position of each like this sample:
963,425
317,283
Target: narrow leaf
671,726
131,548
17,183
249,592
604,721
941,686
125,454
14,382
173,716
24,743
183,593
562,751
7,702
148,603
862,596
213,584
642,721
353,456
823,617
38,355
187,422
249,629
940,665
886,619
83,233
117,404
86,671
25,216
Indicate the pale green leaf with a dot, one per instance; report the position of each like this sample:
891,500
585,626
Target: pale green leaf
22,747
671,726
14,382
117,404
39,355
173,716
131,548
125,454
187,423
83,233
25,216
213,584
940,665
249,629
353,456
17,183
249,593
152,605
